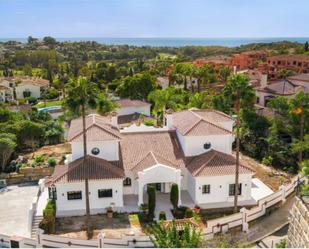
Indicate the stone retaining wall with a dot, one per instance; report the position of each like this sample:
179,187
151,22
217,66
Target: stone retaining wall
298,234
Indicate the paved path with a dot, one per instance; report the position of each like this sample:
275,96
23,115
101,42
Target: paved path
14,206
271,223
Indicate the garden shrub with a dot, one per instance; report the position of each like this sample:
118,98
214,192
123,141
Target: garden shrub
148,123
48,224
52,162
151,191
188,213
162,215
39,159
174,197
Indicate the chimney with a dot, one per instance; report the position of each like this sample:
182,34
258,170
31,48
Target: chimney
263,81
114,119
169,118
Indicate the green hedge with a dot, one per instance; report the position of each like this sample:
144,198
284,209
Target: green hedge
48,224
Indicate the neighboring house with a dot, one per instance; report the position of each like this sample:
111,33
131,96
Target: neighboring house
21,87
6,94
31,87
132,112
193,150
284,88
297,63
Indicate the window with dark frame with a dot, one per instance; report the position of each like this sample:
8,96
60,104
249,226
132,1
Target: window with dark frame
232,189
206,189
127,182
105,193
52,193
74,195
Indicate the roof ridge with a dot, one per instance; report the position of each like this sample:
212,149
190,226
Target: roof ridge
155,154
143,158
201,168
207,121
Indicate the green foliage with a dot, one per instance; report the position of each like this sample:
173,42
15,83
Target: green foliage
52,93
148,122
137,86
174,195
104,105
52,162
267,160
168,236
189,213
282,244
162,215
39,159
202,100
7,147
48,224
151,191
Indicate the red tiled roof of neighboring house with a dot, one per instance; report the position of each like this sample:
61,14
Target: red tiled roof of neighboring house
2,88
282,87
90,167
195,122
98,128
26,80
150,160
135,147
215,163
131,103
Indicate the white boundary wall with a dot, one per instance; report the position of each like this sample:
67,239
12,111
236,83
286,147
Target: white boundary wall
212,227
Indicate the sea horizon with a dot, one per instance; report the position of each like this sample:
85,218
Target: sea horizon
172,41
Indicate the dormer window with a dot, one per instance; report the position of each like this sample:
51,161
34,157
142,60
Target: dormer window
207,146
95,151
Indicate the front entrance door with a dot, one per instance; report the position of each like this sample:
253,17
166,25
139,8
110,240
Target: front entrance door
158,187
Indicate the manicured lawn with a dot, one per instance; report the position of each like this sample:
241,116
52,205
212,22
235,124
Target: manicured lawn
49,103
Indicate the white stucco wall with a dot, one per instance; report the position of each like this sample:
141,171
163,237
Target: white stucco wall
97,205
219,188
130,110
109,150
35,91
194,145
130,190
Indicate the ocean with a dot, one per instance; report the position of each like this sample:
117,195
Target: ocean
177,42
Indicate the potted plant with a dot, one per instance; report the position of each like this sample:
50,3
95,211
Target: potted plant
197,209
109,212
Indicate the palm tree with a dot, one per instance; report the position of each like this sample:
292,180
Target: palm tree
241,94
80,95
161,99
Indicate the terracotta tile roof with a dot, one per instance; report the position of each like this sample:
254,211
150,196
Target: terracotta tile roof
195,122
135,147
4,88
215,163
98,128
150,160
26,80
91,167
131,103
289,57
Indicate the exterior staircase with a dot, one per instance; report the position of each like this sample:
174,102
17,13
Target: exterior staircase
35,225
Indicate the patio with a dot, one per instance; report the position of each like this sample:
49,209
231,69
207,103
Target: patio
163,203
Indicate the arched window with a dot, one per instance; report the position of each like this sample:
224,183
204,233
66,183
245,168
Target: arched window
127,182
95,151
207,146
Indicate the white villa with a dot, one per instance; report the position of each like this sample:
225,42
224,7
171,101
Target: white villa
193,150
14,88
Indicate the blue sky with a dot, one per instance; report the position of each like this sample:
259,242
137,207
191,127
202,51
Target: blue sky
154,18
